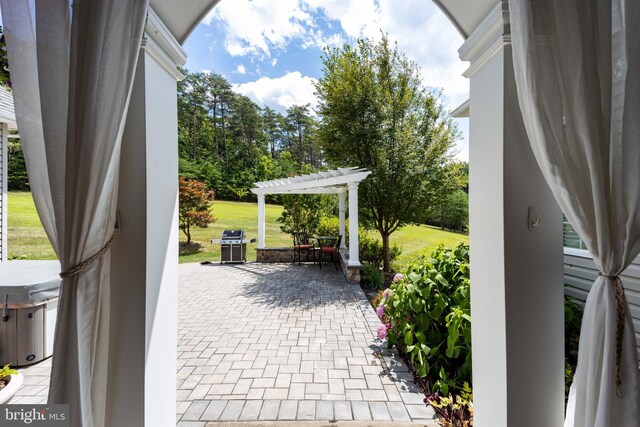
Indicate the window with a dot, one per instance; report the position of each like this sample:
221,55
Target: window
570,237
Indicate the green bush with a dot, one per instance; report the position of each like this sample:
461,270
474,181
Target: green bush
330,226
371,251
428,317
17,169
573,312
452,213
372,277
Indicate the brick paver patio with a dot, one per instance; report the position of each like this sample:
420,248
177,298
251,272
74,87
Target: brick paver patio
277,342
284,342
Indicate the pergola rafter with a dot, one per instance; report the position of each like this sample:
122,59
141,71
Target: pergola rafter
337,181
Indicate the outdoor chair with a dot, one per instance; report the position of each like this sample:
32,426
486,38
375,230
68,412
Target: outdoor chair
300,244
331,251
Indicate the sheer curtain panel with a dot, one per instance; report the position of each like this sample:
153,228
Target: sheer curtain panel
577,67
72,68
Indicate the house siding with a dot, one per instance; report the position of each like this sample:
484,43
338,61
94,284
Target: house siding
580,272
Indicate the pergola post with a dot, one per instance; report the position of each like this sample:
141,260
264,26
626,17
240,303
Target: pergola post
342,201
261,222
354,258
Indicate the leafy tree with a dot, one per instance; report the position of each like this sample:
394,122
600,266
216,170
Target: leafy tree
5,78
377,114
224,137
16,168
271,122
450,201
302,213
195,202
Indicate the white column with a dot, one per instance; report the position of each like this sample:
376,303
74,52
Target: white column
4,161
341,215
261,222
144,288
354,255
516,274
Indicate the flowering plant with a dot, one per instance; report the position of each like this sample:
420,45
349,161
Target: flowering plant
428,313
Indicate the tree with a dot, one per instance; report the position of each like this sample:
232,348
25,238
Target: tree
195,202
5,78
377,114
302,213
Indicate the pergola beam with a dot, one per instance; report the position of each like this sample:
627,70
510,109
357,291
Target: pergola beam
335,181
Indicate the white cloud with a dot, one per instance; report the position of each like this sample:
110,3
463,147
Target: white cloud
282,92
274,61
206,71
241,69
252,27
421,30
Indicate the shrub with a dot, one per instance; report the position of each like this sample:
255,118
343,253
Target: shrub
302,213
195,202
428,316
573,312
372,277
371,251
330,226
452,213
454,411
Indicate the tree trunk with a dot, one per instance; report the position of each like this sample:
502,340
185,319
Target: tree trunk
193,134
187,231
215,130
386,263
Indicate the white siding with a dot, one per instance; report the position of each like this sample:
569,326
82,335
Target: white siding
580,272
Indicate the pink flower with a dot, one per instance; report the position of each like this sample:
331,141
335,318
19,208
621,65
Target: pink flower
387,293
397,277
380,310
382,332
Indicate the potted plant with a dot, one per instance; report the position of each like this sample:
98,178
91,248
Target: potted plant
10,382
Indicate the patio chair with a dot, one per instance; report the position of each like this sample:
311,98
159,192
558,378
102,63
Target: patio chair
332,251
300,244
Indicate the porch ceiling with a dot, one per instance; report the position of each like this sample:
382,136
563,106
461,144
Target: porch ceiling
465,14
182,17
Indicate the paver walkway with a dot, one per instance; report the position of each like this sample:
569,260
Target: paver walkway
276,342
284,342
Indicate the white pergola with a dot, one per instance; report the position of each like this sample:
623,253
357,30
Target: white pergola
338,181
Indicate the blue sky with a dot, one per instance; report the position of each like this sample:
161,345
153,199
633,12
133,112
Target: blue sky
271,50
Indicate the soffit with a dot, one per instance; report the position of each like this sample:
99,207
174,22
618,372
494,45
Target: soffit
181,17
465,14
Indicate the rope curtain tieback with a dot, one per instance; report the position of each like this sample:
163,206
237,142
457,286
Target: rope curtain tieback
621,303
87,262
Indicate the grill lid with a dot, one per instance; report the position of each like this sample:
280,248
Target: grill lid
233,235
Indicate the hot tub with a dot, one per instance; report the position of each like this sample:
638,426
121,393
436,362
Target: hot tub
28,303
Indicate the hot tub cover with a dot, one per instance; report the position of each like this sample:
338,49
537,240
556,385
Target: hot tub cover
25,282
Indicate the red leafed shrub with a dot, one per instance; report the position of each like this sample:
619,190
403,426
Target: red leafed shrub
195,202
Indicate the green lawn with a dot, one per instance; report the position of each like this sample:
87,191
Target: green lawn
28,240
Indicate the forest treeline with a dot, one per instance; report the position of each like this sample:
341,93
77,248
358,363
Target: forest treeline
229,142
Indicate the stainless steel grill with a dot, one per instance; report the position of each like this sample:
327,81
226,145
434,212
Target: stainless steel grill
233,246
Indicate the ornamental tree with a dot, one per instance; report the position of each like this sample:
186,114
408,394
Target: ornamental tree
377,114
195,202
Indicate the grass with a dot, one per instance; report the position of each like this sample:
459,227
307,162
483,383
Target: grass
27,239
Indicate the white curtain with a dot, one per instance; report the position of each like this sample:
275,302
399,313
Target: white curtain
577,67
72,68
